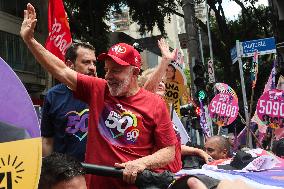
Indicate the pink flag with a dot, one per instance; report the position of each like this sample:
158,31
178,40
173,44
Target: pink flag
268,86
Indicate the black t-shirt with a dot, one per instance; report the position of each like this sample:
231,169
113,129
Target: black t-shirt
65,118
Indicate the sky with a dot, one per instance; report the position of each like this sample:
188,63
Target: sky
231,9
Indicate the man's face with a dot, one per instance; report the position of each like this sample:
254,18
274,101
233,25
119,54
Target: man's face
231,140
118,78
212,148
161,89
85,61
77,182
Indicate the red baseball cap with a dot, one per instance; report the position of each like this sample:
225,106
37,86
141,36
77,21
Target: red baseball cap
123,54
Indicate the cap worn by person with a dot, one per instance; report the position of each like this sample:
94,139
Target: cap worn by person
123,54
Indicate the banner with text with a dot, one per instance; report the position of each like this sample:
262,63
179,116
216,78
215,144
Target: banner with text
270,108
223,109
59,37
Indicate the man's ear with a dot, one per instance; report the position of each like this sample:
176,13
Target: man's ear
136,71
70,64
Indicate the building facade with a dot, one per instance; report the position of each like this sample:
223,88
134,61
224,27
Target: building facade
14,51
151,54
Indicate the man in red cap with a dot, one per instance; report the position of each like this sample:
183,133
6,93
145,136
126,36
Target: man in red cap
126,122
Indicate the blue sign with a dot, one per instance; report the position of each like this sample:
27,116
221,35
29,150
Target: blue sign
234,56
263,46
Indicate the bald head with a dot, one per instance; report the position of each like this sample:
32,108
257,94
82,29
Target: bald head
217,147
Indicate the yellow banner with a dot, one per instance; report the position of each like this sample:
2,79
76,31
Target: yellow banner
20,164
173,91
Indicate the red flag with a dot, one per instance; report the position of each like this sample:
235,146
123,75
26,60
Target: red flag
59,37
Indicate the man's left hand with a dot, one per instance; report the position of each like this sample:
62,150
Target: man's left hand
131,169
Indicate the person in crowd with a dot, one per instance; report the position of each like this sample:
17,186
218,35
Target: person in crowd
266,142
170,73
278,148
60,171
217,147
152,80
233,144
123,130
64,122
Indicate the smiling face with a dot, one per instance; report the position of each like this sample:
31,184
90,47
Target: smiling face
85,61
119,78
161,89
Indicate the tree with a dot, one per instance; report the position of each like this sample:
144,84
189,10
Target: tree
88,21
88,18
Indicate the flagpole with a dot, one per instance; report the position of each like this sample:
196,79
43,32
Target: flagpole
239,55
255,67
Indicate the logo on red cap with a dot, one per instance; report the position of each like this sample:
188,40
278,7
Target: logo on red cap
118,49
123,54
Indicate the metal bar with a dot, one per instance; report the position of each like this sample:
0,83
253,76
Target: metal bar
248,141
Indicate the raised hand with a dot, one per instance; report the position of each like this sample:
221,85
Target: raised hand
29,23
164,47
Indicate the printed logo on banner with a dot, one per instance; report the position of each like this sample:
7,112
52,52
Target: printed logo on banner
270,108
120,126
14,168
223,109
77,124
173,93
18,168
175,83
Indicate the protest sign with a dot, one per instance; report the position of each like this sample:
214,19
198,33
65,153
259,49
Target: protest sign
175,83
223,109
20,140
270,108
224,88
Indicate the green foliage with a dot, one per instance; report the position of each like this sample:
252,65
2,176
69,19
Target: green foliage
186,72
88,19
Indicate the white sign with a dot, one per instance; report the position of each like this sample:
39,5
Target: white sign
178,126
211,73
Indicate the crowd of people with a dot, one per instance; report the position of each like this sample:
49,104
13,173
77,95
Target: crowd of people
121,121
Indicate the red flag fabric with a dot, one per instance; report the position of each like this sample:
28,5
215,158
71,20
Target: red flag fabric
59,37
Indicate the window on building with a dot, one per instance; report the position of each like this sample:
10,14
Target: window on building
17,55
14,7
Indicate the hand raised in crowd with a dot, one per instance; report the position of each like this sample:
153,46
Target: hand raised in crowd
194,183
131,169
165,50
29,23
